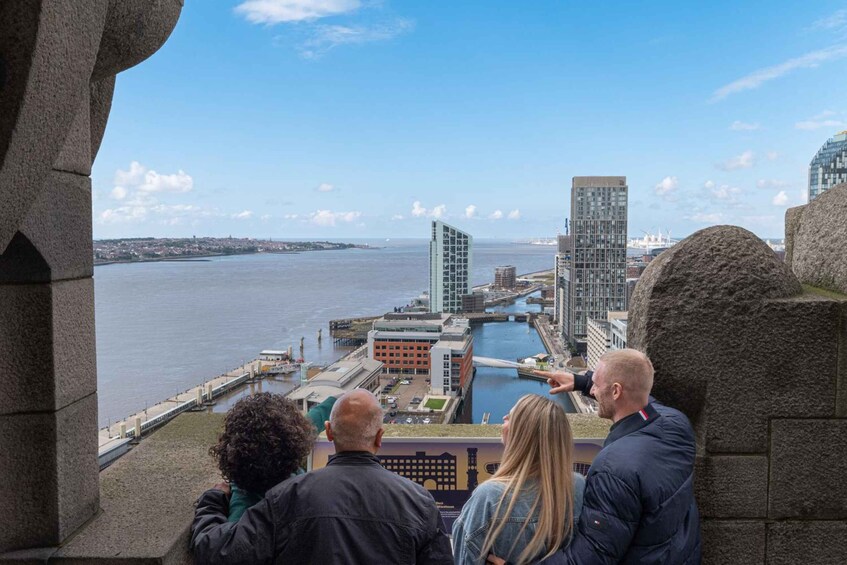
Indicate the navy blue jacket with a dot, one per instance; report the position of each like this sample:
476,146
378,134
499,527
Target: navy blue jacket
639,502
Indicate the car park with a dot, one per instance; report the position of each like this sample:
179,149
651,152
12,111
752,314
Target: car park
427,421
408,420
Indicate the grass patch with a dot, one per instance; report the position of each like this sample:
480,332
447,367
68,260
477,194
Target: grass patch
435,403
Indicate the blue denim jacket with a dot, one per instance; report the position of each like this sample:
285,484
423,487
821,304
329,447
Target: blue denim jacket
470,529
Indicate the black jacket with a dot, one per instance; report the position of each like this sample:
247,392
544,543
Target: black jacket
351,511
639,502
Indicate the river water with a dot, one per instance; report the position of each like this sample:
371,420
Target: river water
165,327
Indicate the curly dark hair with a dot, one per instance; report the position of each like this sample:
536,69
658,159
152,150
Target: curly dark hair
264,440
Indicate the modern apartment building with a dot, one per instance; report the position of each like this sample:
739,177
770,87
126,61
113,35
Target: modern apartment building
602,336
449,267
505,277
596,280
829,167
561,267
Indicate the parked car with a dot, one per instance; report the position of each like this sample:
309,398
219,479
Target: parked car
409,420
427,421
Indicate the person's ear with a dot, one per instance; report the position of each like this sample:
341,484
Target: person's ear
328,429
378,439
617,391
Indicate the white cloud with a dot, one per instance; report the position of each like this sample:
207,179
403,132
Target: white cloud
772,155
743,126
324,38
265,217
291,216
706,218
781,199
418,211
132,176
495,215
709,184
278,11
166,214
140,178
770,183
329,218
325,187
758,78
398,217
667,187
836,21
245,215
725,193
118,193
515,215
743,161
818,124
470,211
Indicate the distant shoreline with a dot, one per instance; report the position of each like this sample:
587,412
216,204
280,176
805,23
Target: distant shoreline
205,257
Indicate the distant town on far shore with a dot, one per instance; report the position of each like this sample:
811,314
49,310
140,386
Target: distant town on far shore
138,249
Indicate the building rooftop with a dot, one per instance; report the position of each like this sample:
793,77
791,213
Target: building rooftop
338,378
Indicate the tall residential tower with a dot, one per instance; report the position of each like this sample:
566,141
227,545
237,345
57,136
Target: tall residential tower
829,167
449,268
596,280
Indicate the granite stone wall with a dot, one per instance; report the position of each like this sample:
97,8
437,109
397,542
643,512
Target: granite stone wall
58,61
753,351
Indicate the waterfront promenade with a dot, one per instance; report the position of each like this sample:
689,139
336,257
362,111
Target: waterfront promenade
111,433
555,346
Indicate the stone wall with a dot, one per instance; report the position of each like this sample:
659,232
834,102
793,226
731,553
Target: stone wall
58,61
755,355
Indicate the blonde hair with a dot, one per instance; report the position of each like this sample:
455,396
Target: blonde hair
630,367
539,447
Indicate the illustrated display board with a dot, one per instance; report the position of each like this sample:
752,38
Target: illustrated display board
450,468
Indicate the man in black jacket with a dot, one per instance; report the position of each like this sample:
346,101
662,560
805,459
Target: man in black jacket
639,502
351,511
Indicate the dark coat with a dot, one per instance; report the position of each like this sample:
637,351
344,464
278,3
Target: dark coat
639,502
351,511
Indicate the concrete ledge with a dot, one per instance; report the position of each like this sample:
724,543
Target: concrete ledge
147,500
584,426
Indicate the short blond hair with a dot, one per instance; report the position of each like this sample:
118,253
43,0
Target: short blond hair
631,368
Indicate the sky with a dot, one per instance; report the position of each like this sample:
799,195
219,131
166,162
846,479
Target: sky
334,119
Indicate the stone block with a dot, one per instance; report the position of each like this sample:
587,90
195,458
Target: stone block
59,226
733,542
810,543
101,104
808,466
784,362
75,155
818,236
47,346
732,486
49,470
687,307
134,30
49,50
841,385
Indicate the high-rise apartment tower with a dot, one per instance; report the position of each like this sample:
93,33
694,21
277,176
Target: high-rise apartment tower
596,280
449,267
829,167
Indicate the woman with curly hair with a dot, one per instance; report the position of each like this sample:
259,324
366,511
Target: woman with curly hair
527,510
264,441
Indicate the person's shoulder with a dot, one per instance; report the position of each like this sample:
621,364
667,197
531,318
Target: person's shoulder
578,481
489,489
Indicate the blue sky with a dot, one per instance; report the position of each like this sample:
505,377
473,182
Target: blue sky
339,119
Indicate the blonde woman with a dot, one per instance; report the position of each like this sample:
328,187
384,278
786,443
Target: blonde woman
528,509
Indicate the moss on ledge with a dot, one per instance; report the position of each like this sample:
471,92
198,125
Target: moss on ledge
583,425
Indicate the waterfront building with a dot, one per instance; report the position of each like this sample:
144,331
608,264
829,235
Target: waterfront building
829,166
600,336
505,277
449,267
474,302
560,268
451,360
340,377
597,276
617,328
413,343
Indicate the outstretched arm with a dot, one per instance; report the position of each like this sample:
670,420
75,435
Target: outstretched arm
562,381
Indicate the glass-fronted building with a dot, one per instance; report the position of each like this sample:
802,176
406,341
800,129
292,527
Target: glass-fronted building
596,283
449,267
829,167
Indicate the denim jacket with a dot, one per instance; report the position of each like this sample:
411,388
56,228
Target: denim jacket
470,529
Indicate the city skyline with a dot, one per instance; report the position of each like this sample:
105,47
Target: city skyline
353,119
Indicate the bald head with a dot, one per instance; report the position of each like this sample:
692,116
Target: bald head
632,369
355,423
